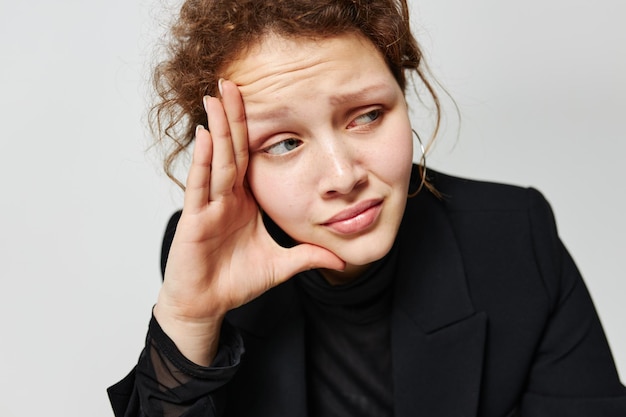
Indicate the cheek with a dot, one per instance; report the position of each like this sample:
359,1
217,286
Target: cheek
280,195
393,155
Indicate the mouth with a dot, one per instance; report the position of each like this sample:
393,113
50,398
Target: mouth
355,219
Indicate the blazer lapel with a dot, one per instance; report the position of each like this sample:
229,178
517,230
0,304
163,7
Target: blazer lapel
437,337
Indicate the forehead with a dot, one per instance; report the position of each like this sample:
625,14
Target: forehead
275,56
272,47
329,70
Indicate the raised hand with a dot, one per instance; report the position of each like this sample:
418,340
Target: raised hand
221,255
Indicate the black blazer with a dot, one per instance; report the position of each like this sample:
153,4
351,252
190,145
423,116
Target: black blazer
490,317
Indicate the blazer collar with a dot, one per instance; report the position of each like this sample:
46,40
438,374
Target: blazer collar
437,337
431,285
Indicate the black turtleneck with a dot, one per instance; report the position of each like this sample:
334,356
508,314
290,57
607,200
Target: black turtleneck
348,342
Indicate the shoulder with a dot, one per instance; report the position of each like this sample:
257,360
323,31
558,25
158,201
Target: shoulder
463,194
168,237
490,209
485,208
502,231
497,208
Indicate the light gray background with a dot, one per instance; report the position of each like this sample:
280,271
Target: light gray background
541,89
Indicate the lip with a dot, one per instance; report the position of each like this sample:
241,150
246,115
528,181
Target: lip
356,218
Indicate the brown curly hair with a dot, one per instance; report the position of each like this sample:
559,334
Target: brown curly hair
208,35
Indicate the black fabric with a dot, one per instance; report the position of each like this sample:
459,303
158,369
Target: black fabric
167,384
170,229
489,317
348,342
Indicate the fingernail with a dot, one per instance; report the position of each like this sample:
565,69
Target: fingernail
219,86
205,101
199,128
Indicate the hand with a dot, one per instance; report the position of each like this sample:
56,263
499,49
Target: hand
221,255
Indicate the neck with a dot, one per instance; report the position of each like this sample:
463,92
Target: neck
349,274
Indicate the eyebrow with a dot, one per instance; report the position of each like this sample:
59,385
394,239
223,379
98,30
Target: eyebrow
334,100
271,114
360,95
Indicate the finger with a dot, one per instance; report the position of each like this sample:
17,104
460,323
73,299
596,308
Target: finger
223,168
197,186
236,115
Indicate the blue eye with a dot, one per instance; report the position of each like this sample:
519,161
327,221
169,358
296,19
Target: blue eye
284,146
366,118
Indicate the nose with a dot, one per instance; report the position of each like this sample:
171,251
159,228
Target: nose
341,170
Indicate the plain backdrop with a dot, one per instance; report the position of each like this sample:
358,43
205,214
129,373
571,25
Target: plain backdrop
540,86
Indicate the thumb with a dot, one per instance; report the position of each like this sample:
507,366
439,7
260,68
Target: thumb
305,256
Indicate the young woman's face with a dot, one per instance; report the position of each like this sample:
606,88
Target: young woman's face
330,143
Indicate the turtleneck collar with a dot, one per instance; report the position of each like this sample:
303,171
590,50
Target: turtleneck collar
363,299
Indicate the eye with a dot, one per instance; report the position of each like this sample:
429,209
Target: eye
283,147
366,118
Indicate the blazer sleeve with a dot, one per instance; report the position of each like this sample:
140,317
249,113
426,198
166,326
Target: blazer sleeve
573,372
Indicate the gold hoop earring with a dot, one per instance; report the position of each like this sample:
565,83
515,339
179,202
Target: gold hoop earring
421,165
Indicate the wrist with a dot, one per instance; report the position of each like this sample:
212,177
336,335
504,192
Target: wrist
196,339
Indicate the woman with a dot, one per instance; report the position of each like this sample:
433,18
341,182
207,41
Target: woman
303,279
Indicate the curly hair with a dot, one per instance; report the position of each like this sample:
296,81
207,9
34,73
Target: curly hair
208,35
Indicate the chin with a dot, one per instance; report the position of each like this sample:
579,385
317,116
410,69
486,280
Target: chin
357,259
365,252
